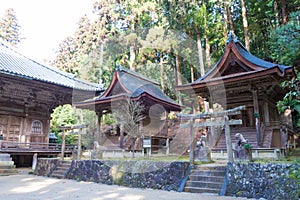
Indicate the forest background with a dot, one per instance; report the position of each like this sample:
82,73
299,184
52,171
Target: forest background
174,42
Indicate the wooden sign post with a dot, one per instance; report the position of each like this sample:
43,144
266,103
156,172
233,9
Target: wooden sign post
223,122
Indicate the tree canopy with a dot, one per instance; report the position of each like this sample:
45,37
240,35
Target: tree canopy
10,28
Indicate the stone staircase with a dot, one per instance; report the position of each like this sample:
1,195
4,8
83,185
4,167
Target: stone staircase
181,142
7,166
61,170
206,179
249,134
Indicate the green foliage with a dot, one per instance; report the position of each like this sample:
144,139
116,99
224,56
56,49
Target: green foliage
10,28
247,146
284,41
151,36
62,116
292,99
67,115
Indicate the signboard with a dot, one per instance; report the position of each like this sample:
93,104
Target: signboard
147,143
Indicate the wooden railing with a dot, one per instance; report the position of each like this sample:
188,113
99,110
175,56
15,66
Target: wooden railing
30,146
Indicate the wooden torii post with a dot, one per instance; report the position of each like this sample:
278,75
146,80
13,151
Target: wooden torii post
67,128
223,122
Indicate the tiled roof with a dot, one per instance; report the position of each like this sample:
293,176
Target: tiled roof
129,84
16,64
262,64
138,85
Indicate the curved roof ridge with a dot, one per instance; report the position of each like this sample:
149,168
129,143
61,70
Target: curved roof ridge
256,60
136,74
245,54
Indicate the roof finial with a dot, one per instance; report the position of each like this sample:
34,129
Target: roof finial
119,67
231,37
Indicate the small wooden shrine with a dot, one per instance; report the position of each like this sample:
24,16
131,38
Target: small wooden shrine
129,85
239,78
29,91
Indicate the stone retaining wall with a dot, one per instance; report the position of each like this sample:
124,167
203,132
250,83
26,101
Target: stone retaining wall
268,181
138,174
44,165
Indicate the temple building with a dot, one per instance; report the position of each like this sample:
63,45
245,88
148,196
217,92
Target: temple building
127,85
239,78
29,91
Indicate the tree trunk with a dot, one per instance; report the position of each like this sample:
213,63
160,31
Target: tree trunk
132,58
199,46
230,18
276,11
225,25
178,78
207,51
284,11
178,71
132,148
161,63
245,23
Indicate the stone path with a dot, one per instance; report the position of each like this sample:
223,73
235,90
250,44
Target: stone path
30,187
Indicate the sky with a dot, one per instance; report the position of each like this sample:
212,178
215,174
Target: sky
45,23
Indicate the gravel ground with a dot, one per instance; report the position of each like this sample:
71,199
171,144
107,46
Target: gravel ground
30,187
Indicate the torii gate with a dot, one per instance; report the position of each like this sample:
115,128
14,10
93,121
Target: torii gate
225,122
66,128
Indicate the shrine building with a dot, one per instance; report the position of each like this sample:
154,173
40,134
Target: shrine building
127,85
240,78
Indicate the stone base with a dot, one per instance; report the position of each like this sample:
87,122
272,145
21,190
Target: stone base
204,154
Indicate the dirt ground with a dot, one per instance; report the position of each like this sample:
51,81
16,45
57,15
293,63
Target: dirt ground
24,186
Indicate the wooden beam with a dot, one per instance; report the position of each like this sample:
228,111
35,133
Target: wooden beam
213,123
234,111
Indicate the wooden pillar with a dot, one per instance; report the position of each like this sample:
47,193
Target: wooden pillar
79,144
121,136
63,145
192,141
98,133
266,113
257,117
168,146
228,140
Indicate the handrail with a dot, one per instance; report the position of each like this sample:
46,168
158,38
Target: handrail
225,183
33,145
184,180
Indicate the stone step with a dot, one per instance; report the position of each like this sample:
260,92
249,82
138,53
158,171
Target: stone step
6,163
57,175
61,169
6,172
6,159
218,179
201,190
7,166
204,184
220,173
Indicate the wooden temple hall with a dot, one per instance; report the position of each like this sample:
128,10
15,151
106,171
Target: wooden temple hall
129,86
241,79
29,91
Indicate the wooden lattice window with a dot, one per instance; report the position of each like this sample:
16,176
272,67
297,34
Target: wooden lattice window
36,127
